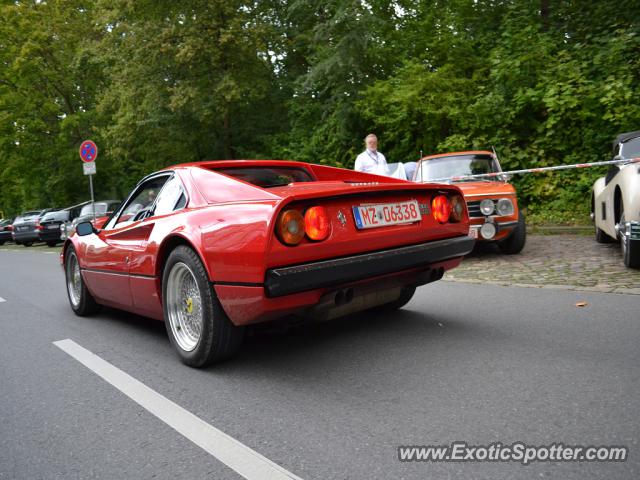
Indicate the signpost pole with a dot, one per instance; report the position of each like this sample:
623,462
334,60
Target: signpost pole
93,203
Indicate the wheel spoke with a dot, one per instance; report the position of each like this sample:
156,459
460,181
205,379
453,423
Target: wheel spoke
184,307
74,279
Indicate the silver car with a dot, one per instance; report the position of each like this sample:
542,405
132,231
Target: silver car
25,230
615,201
102,208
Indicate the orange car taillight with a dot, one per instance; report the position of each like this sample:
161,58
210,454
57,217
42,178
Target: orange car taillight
441,207
290,227
457,208
317,225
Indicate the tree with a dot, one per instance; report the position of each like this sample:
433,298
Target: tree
47,90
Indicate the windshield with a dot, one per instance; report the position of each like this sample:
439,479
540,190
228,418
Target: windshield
455,166
266,177
101,209
631,149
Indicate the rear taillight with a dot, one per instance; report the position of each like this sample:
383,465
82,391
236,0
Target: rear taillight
316,223
441,207
290,227
457,208
10,228
38,226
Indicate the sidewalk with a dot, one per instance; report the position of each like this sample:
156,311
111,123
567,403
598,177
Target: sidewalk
568,262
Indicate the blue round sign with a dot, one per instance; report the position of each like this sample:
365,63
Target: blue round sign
88,151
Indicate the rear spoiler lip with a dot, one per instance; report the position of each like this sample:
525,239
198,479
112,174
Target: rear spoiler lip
356,190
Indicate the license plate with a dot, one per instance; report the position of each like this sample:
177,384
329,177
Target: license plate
473,233
53,227
22,229
384,214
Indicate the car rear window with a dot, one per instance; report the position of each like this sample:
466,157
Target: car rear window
267,177
61,215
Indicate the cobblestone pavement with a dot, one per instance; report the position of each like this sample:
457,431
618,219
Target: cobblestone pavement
568,262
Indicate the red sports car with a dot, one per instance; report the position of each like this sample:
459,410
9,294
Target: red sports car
211,247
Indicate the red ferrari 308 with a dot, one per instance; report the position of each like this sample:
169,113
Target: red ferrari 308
211,247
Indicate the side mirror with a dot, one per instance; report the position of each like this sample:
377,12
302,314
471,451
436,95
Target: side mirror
85,228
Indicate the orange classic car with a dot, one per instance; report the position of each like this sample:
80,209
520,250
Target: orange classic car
492,204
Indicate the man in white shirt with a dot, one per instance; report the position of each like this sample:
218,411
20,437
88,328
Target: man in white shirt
371,160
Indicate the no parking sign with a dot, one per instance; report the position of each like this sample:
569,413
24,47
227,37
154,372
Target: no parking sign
88,151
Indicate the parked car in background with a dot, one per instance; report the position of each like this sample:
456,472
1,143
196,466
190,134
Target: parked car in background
49,226
492,203
25,227
6,226
104,208
615,200
211,247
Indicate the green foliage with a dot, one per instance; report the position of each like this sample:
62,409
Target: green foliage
158,83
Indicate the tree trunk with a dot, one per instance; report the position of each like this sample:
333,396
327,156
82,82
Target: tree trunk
545,14
226,136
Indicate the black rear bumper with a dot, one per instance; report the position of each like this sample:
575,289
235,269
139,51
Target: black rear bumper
27,236
308,276
49,235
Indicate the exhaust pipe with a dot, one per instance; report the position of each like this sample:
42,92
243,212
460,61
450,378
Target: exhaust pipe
343,296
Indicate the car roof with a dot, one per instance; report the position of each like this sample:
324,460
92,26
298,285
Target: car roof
452,154
102,201
625,137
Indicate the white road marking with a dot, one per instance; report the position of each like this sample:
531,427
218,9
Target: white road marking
2,300
245,461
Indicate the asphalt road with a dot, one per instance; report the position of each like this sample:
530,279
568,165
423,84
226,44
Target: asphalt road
478,363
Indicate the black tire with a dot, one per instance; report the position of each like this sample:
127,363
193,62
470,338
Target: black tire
52,244
602,237
86,304
405,296
219,338
514,243
2,242
27,244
